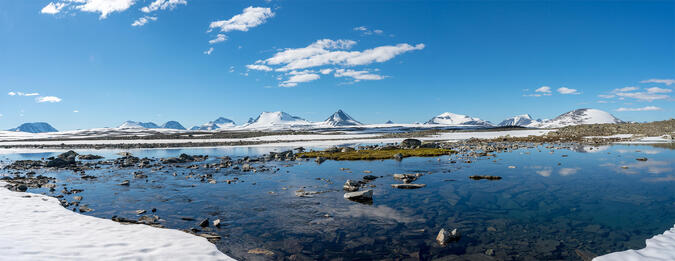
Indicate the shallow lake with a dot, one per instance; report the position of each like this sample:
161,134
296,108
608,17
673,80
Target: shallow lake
548,204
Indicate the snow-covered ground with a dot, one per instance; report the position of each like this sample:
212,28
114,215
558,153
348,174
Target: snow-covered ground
37,227
659,248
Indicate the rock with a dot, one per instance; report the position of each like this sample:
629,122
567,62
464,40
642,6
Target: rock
125,183
204,223
408,186
216,223
585,255
398,156
444,237
84,208
246,167
411,143
77,198
140,211
479,177
369,177
490,252
210,236
641,159
352,185
148,219
89,157
320,160
261,251
347,149
360,196
21,188
407,178
512,167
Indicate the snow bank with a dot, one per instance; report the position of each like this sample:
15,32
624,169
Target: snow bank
660,247
37,227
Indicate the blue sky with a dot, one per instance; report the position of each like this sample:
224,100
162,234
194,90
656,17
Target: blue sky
84,65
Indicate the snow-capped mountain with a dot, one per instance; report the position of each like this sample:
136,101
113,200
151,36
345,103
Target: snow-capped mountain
172,125
448,118
219,123
35,127
578,117
340,118
389,122
519,120
137,124
276,120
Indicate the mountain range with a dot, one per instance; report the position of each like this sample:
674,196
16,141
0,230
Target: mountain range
280,120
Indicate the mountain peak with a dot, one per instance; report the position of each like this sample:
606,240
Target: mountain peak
449,118
340,118
172,125
35,127
579,117
276,120
219,123
137,124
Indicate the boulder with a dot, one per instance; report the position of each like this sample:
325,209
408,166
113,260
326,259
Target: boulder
360,196
411,143
444,237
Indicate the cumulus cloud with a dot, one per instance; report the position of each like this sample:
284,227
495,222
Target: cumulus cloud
299,77
543,89
104,7
251,17
357,75
606,96
143,20
50,99
663,81
565,90
162,5
647,108
334,53
53,8
219,38
209,51
23,94
658,90
259,67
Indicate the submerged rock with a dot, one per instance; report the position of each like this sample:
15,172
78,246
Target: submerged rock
444,237
352,185
408,186
479,177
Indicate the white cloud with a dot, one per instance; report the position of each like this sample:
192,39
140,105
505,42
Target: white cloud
209,51
367,31
664,81
648,108
23,94
163,5
0,114
251,17
105,7
76,111
658,90
53,8
643,96
143,20
543,89
361,28
50,99
219,38
626,89
565,90
326,52
357,75
299,77
606,96
259,67
331,52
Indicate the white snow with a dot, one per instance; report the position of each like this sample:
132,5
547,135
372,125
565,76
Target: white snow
659,248
519,120
37,227
276,121
577,117
448,118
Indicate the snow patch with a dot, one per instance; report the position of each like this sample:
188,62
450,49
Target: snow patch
659,248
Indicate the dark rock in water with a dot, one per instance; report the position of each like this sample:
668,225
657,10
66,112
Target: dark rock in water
444,237
408,186
210,236
585,255
261,251
216,223
411,143
478,177
365,196
407,178
641,159
369,177
352,185
204,223
320,160
125,183
398,156
21,188
84,208
89,157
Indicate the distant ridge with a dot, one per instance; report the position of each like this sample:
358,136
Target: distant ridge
35,127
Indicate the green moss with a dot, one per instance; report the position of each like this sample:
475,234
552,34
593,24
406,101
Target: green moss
377,154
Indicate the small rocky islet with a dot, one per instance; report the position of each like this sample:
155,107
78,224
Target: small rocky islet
22,175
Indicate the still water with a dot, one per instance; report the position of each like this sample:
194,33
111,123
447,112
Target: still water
548,204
